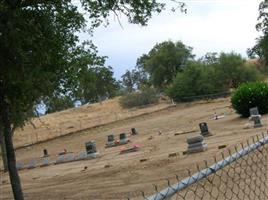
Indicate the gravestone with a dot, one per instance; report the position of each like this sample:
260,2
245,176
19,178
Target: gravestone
122,136
134,131
91,147
254,111
196,144
45,153
204,129
257,121
110,141
45,162
255,117
110,138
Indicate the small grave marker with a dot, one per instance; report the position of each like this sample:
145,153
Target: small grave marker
255,117
91,147
254,111
45,153
45,162
196,144
204,129
110,138
122,136
134,131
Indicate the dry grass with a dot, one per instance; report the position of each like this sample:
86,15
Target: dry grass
76,119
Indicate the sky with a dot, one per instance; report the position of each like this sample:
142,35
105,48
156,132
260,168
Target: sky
208,26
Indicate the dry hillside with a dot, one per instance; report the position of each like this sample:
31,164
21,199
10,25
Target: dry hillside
76,119
117,176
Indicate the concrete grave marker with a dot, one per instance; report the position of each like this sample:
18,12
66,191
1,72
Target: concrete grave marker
254,111
45,162
45,153
134,131
204,129
110,138
123,138
255,117
110,141
91,147
196,144
257,121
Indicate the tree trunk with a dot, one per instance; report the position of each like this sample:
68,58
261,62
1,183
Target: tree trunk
3,151
11,159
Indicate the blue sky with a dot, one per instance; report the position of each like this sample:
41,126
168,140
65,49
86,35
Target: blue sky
208,26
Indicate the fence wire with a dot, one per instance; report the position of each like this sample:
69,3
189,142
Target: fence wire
239,176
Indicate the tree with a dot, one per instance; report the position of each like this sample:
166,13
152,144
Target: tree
38,43
58,103
196,79
164,61
233,70
96,83
260,50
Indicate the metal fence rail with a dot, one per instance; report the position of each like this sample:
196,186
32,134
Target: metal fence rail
242,175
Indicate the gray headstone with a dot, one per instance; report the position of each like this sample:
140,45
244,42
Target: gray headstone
45,161
197,149
257,121
134,131
91,147
110,138
195,139
204,129
122,136
197,144
254,111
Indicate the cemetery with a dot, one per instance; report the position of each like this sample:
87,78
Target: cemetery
188,134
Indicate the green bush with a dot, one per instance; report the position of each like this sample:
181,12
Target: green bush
249,95
141,98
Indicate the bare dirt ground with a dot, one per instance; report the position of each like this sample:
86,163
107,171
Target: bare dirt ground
126,176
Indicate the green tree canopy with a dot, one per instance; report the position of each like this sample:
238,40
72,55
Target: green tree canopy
260,50
164,61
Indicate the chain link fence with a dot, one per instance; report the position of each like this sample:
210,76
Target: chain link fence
241,175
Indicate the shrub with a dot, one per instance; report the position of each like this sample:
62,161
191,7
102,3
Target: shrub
249,95
141,98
